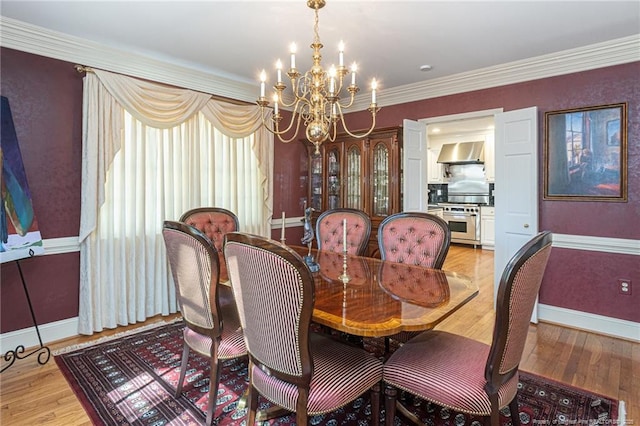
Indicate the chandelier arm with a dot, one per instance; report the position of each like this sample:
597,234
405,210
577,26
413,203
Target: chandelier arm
295,134
295,113
278,132
334,134
349,105
367,133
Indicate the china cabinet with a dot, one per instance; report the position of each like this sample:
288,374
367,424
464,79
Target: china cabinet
363,174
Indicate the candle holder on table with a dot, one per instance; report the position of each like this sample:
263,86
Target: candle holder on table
344,277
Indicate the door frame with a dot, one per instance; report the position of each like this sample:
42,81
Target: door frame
461,116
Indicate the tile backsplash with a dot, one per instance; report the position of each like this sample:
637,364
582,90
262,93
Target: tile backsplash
491,186
437,193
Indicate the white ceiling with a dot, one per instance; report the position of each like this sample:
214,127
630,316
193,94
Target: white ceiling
389,40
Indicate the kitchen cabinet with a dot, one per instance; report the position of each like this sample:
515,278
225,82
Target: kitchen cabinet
363,174
489,159
435,170
487,227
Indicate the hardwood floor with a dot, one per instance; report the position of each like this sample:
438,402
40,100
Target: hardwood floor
31,394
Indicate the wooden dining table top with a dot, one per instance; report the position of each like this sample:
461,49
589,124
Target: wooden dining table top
382,298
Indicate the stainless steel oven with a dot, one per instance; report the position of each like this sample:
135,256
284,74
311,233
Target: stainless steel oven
464,222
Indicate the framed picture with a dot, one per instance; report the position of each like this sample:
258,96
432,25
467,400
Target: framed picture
585,154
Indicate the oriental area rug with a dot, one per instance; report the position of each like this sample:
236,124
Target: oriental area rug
131,380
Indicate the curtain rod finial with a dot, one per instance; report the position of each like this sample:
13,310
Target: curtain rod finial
82,68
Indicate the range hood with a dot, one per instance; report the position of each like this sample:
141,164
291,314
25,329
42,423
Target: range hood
462,153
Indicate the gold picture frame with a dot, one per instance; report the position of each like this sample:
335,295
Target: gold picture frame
585,154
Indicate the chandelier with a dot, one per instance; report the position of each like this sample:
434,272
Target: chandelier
316,95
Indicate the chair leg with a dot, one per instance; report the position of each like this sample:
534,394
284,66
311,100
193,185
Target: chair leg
302,406
390,396
213,388
183,368
515,411
375,404
495,410
252,402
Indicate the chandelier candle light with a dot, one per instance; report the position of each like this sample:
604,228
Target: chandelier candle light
316,95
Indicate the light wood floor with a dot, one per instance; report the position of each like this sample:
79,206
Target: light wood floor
31,394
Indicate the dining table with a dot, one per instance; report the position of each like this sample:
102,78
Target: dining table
370,297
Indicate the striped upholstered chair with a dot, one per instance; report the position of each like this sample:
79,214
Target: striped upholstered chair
330,231
295,369
415,238
464,374
215,223
208,309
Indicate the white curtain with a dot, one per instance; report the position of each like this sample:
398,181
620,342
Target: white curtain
151,152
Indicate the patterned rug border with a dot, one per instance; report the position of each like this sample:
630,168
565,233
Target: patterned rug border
119,335
617,413
620,413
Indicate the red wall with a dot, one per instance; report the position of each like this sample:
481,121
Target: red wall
45,96
46,100
580,280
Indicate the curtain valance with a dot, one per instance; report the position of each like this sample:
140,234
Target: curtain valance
160,106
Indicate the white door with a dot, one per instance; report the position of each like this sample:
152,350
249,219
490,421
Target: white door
516,186
414,166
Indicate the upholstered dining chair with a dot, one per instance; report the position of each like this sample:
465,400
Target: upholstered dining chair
300,371
208,309
466,375
416,238
215,223
330,231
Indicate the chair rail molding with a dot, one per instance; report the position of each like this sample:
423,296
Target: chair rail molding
600,244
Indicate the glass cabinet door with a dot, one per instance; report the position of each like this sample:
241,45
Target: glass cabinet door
380,169
316,182
354,177
333,178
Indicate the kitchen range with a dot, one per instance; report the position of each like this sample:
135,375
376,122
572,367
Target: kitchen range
467,190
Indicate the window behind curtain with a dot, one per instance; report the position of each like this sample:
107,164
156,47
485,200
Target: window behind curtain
159,174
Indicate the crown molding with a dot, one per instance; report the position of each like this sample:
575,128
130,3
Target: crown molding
609,53
40,41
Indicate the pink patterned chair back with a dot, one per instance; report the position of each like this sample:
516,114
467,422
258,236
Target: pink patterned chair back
330,234
517,292
215,223
414,238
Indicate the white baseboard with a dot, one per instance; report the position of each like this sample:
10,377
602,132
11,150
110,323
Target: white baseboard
49,332
600,324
